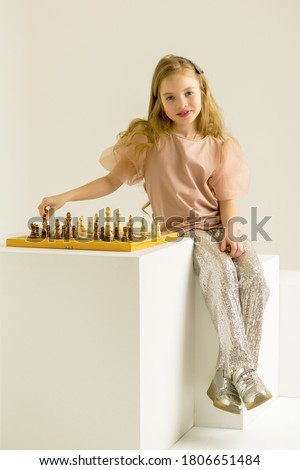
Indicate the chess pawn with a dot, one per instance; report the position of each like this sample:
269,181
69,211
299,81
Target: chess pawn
81,227
130,227
57,230
130,222
157,228
37,231
108,236
96,226
125,237
33,231
90,228
153,228
143,226
102,233
66,232
116,233
63,232
75,231
96,231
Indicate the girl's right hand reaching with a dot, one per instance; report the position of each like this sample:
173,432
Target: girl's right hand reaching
50,204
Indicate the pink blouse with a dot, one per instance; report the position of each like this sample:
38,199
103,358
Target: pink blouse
185,179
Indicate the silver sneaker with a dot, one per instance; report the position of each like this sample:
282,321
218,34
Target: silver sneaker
223,394
251,389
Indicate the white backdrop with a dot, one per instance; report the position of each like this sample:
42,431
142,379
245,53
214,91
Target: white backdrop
75,72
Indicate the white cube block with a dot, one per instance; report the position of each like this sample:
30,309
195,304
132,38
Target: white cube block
206,351
96,348
289,344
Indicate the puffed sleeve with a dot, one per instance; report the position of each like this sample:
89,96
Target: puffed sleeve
126,161
231,177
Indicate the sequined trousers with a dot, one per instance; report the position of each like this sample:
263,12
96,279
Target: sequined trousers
236,293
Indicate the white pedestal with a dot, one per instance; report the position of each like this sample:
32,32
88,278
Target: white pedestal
289,345
96,348
206,350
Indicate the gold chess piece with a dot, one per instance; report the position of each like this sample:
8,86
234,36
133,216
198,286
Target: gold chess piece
143,226
130,222
153,228
108,234
125,235
80,226
44,227
57,230
68,226
90,230
157,228
96,227
118,228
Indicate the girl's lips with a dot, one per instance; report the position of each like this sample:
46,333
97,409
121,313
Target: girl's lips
184,114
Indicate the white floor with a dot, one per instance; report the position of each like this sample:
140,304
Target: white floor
276,428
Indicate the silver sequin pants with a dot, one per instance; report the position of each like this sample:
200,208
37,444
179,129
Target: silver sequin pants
236,293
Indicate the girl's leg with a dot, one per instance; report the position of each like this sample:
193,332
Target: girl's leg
235,293
220,286
254,293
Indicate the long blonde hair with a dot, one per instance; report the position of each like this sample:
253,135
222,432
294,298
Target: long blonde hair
208,122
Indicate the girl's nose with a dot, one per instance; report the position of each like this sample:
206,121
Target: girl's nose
181,102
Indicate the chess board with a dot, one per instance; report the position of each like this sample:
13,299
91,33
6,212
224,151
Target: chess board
139,242
110,235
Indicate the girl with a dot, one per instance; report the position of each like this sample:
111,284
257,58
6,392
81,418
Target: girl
193,171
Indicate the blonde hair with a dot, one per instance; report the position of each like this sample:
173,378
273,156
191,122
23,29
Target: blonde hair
208,122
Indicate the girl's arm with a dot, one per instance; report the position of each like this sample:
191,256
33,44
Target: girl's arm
93,190
228,210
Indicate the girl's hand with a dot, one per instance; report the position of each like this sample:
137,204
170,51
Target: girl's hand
234,249
50,204
228,212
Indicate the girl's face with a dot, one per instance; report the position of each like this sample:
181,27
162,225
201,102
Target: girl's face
181,99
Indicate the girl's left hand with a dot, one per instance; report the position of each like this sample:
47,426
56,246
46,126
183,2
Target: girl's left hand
234,249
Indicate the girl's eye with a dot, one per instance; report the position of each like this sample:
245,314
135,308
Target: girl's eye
189,93
170,98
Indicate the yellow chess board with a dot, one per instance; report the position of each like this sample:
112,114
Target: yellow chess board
71,234
140,242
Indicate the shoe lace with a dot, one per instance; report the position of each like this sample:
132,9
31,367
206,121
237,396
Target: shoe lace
247,379
229,388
